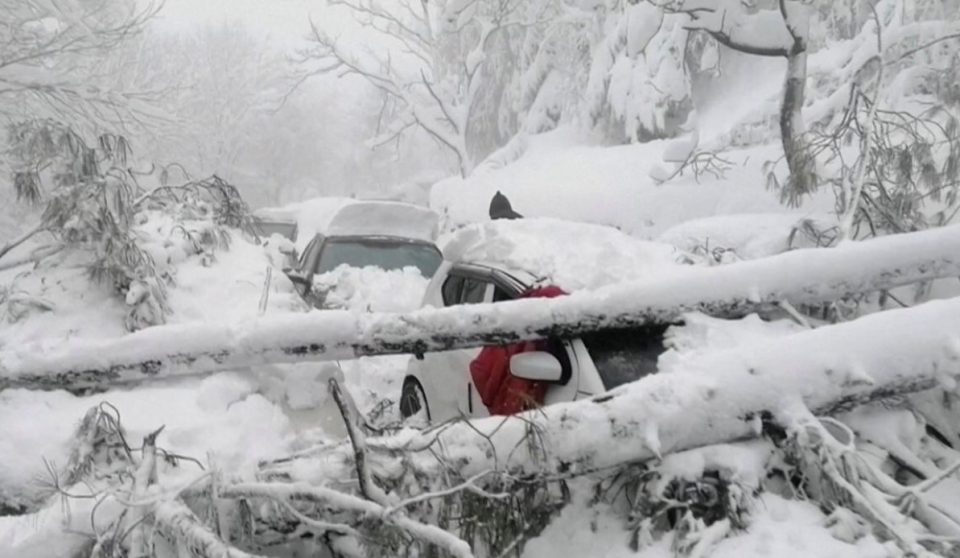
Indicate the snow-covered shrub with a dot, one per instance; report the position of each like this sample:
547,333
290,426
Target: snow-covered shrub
93,208
643,83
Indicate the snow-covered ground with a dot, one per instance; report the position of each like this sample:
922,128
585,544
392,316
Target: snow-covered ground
629,227
563,176
241,417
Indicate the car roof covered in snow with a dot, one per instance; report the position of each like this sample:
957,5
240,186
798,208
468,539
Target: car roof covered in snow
384,218
573,256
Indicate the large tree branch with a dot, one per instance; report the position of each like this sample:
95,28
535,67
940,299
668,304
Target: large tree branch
800,277
716,398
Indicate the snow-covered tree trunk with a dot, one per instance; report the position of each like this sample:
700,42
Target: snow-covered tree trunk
718,397
800,277
780,32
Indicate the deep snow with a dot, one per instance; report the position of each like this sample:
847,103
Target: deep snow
241,416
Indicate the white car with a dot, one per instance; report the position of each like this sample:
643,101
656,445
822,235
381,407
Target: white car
494,262
384,234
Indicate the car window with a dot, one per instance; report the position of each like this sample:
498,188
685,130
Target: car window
473,291
460,289
451,290
308,261
500,295
624,355
385,254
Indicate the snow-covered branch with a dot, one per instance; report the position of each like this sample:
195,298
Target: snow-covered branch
47,45
718,397
799,277
771,32
302,492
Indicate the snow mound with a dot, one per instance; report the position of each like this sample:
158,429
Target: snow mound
229,288
573,256
62,301
611,185
748,236
372,289
222,415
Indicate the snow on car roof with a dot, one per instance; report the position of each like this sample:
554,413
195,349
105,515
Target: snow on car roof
385,218
573,256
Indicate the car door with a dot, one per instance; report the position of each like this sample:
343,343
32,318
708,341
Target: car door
302,274
451,386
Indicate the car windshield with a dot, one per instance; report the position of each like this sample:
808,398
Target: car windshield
625,355
286,230
382,253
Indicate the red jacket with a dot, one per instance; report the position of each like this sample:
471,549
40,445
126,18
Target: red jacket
501,392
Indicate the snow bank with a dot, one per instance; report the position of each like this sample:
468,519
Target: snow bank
222,416
574,256
562,178
745,236
223,286
229,288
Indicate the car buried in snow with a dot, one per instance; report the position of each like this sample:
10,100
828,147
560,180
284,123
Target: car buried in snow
271,222
384,234
506,260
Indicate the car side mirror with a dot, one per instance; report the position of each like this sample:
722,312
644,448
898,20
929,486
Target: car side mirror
300,282
297,278
539,366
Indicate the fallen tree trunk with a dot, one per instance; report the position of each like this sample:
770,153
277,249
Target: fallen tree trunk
720,397
716,398
800,277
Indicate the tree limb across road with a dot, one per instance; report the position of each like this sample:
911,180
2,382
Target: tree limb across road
806,276
718,397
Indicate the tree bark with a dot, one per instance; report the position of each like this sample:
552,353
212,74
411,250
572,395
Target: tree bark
807,276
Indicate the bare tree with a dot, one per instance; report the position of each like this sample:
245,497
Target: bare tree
431,67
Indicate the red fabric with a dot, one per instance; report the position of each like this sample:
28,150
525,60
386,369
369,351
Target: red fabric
501,392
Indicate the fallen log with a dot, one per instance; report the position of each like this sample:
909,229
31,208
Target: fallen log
800,277
720,397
